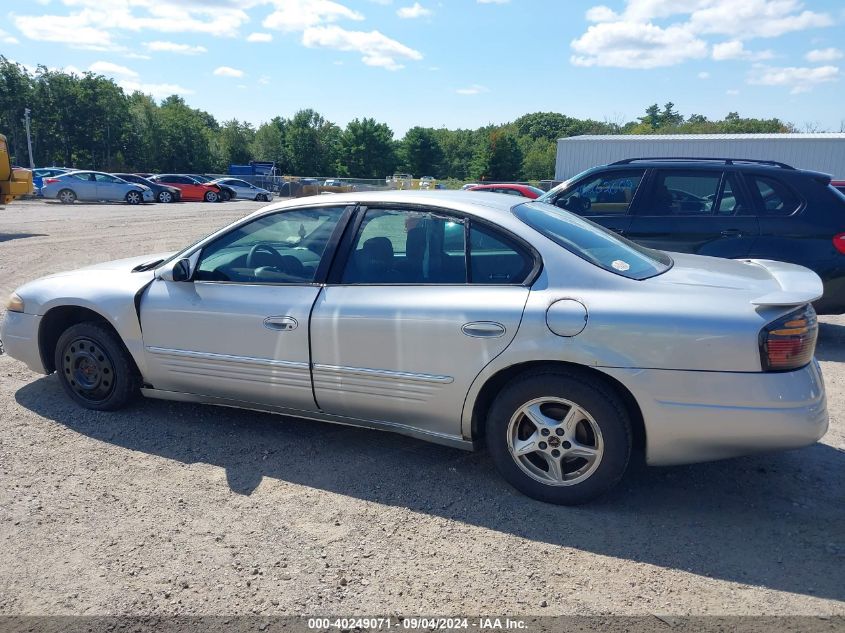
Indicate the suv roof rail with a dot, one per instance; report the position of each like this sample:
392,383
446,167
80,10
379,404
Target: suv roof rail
727,161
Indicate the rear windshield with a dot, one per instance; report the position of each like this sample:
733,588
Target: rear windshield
592,242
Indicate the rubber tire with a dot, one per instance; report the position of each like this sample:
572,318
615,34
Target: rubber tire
139,199
72,198
603,404
163,197
124,381
211,196
225,196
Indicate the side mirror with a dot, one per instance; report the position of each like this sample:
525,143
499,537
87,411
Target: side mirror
179,270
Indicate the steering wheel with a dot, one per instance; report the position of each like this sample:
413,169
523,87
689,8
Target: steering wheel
261,248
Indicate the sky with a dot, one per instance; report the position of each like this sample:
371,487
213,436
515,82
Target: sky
452,63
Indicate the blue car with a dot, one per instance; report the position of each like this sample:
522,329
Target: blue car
40,173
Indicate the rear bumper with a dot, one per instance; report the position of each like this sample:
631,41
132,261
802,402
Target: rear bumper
19,333
695,416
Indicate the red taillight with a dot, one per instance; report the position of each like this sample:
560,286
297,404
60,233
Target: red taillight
790,341
839,242
49,181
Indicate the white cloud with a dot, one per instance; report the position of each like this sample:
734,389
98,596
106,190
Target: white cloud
735,49
158,91
732,92
259,37
823,55
376,49
112,70
704,75
78,30
298,15
641,37
474,89
797,79
264,80
228,71
416,10
8,39
636,45
173,47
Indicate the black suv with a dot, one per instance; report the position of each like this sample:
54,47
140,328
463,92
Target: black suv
720,207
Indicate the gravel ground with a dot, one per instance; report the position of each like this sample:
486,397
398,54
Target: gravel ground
171,508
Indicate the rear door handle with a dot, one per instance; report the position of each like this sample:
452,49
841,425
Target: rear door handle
483,329
280,323
731,233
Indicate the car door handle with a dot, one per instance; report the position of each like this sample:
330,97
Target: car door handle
731,233
280,323
483,329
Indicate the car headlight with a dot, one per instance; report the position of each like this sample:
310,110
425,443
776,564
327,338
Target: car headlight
15,303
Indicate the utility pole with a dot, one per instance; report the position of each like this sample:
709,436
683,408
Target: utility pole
28,137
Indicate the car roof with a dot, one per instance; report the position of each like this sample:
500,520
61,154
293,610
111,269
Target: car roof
734,164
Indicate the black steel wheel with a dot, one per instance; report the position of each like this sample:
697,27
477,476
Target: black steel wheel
94,367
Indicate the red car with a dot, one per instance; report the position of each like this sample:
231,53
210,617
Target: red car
526,191
839,184
191,189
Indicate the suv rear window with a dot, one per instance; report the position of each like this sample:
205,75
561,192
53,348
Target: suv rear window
775,197
592,242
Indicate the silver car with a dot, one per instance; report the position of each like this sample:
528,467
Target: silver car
92,186
245,190
467,319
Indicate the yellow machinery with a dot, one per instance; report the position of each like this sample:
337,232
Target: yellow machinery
14,183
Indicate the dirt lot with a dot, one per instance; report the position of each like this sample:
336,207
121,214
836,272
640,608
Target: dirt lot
176,508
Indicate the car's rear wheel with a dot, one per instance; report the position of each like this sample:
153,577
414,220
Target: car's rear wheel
66,196
94,368
558,437
134,197
225,196
165,197
211,196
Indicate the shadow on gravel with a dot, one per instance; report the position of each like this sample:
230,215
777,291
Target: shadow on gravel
831,343
773,520
8,237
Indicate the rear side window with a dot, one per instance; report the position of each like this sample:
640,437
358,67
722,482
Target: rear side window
773,196
496,259
607,193
679,192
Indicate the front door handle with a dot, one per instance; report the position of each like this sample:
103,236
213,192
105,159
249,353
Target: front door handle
483,329
280,323
731,233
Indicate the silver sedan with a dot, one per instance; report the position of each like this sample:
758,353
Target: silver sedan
467,319
245,190
92,186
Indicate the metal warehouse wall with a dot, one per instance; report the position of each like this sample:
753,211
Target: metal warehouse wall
819,152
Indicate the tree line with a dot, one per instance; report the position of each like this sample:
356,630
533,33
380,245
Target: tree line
88,121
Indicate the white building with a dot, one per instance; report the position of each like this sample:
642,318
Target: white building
817,152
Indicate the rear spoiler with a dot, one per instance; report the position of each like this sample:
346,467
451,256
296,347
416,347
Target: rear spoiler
798,285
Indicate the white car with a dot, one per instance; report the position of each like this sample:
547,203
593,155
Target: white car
245,190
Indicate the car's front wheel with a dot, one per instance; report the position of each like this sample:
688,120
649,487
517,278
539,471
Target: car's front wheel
211,196
134,197
94,368
559,437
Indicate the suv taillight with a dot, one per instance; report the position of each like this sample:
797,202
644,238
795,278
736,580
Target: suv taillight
790,341
839,242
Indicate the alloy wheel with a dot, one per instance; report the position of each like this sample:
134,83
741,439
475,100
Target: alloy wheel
555,441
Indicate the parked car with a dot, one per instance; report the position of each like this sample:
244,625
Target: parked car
526,191
163,193
191,189
729,208
40,173
559,344
839,184
93,185
469,185
243,189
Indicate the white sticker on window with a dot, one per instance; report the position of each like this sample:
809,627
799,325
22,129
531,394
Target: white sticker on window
618,264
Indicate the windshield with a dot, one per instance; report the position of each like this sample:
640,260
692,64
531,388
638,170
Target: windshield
548,195
592,242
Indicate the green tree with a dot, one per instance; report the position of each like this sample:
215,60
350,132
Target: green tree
498,157
312,144
236,142
16,89
269,144
421,152
539,160
185,137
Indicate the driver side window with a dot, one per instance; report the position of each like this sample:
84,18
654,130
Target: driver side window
608,193
281,248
